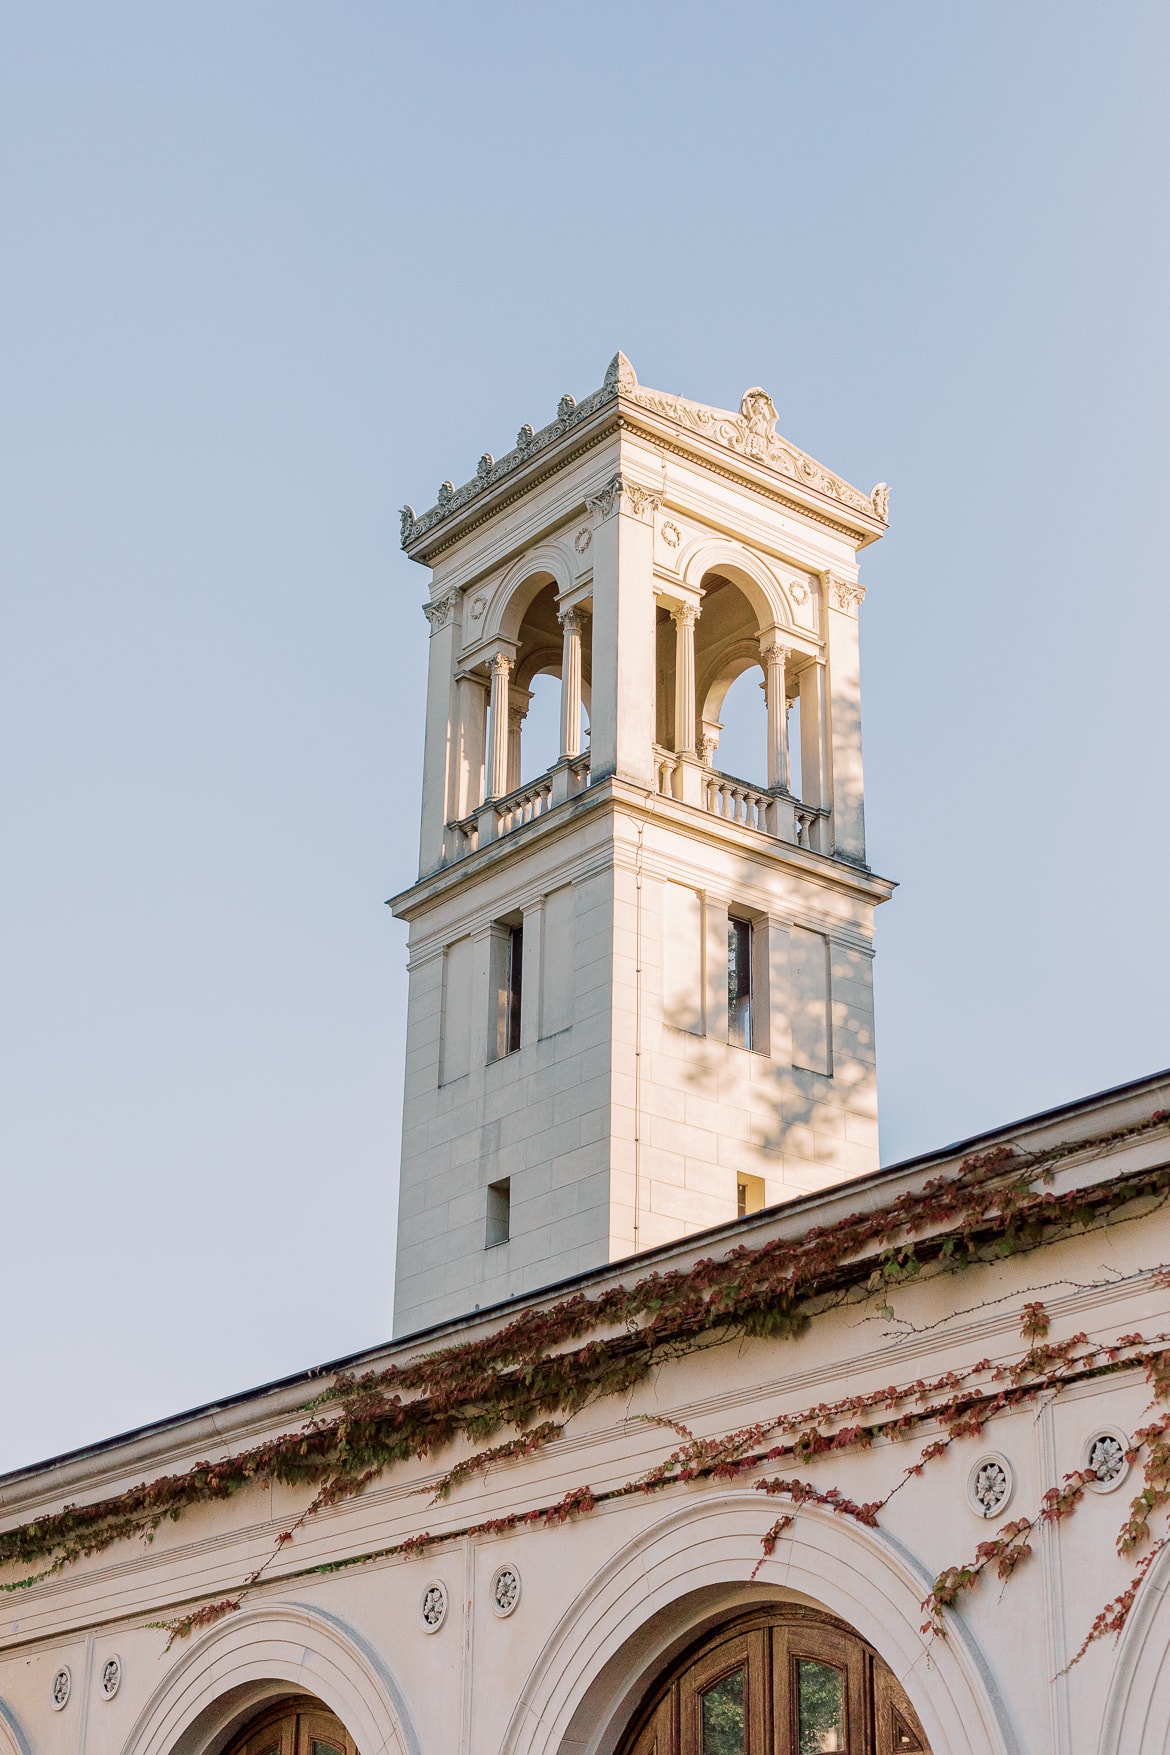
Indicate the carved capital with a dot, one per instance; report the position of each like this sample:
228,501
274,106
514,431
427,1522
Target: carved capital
775,653
685,615
439,612
622,495
500,666
847,598
572,620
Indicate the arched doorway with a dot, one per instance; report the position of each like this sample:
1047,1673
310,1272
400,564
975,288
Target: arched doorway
784,1681
297,1725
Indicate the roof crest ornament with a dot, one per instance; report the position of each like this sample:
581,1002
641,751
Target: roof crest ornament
751,433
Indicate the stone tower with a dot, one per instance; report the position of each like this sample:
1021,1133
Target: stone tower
640,988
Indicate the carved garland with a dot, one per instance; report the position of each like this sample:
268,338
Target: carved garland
536,1371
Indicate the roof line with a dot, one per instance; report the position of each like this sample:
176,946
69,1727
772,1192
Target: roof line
732,1227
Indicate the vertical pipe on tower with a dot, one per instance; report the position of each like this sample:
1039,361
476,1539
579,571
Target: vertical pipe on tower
571,684
775,658
684,618
498,765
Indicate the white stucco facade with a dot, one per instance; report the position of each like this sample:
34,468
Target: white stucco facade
607,1599
646,551
594,1105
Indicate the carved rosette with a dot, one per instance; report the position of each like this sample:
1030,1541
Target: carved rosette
439,612
620,494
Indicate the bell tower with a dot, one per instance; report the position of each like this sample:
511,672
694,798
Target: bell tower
640,987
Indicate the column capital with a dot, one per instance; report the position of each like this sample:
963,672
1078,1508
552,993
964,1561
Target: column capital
773,650
572,618
844,594
500,664
620,494
440,611
684,614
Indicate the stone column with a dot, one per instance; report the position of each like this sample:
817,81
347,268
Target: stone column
497,779
519,701
775,657
684,618
571,620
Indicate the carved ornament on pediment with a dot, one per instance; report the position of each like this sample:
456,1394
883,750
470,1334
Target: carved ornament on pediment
797,589
670,533
479,604
583,539
439,612
620,494
751,433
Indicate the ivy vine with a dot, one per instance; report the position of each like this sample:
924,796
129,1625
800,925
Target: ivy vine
534,1372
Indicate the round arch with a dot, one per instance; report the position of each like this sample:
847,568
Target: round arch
763,590
521,583
1138,1700
255,1656
12,1738
677,1579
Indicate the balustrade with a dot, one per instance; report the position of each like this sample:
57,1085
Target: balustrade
724,796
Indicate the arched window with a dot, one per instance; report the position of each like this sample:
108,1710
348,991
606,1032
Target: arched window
299,1725
786,1681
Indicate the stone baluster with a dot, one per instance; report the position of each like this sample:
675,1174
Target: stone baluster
571,620
497,785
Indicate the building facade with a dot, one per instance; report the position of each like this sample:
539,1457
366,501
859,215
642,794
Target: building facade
862,1461
640,987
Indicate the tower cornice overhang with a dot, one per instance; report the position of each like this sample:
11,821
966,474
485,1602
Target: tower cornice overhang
614,795
743,447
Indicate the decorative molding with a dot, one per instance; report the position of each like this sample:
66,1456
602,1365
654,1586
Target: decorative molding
670,533
1106,1452
848,598
60,1688
620,494
433,1607
989,1485
439,612
750,433
505,1590
111,1677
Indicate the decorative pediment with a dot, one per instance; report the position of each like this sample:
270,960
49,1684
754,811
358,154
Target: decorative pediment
751,434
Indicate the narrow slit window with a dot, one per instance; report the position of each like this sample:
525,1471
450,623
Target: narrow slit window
499,1212
515,987
739,983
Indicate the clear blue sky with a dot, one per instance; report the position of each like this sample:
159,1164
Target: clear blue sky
273,269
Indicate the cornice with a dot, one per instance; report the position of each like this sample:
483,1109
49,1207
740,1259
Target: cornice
750,437
630,799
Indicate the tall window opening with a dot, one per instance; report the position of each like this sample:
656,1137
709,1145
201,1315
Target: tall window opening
507,987
301,1725
515,988
499,1212
749,1195
739,983
743,740
540,734
785,1679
